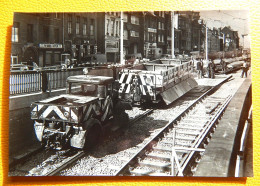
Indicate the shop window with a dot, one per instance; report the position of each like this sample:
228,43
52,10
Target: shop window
48,58
30,33
15,32
56,58
77,24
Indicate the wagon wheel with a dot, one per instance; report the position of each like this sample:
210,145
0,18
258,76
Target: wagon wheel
93,128
122,120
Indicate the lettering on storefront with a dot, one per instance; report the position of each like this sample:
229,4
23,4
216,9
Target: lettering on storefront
50,45
152,30
112,46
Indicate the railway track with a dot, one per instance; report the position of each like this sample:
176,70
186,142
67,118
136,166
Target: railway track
61,160
176,149
58,162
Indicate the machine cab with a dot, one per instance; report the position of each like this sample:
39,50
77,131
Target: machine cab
90,85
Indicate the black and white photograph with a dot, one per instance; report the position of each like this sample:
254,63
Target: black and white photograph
152,93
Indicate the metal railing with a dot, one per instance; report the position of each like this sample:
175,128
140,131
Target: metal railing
22,82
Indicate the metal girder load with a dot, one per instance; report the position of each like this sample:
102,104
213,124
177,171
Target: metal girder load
178,90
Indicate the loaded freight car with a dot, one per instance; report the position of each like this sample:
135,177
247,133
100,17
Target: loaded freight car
155,82
76,119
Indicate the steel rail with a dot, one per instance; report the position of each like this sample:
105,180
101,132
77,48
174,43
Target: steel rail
132,160
205,132
74,158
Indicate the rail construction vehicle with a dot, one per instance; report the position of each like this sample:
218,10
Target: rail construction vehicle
76,119
152,83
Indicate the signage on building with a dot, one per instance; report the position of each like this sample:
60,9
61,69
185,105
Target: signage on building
112,46
50,45
152,30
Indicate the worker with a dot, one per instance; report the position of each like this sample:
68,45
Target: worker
223,65
199,69
244,69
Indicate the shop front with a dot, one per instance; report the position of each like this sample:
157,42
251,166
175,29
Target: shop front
112,50
50,54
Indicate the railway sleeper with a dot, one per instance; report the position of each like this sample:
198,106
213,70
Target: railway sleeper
196,119
161,156
190,124
187,127
168,149
191,132
177,141
140,171
162,166
181,137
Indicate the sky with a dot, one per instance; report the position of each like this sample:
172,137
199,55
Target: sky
238,20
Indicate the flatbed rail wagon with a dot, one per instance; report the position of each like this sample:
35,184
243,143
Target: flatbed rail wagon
155,82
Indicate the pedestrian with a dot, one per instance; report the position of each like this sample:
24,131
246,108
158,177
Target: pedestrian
212,70
223,65
244,69
209,68
30,63
199,69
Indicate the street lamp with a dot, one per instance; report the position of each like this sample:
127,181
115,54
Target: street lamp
173,26
122,61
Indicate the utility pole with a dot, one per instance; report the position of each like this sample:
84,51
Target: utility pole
206,41
173,25
122,61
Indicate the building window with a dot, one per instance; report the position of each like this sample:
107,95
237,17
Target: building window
15,32
125,34
159,38
162,38
14,59
57,15
92,26
108,21
134,33
162,26
45,34
117,27
159,25
125,18
30,33
84,27
56,35
162,14
69,24
135,20
77,24
112,27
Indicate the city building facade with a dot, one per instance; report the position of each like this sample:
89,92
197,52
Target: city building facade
44,37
